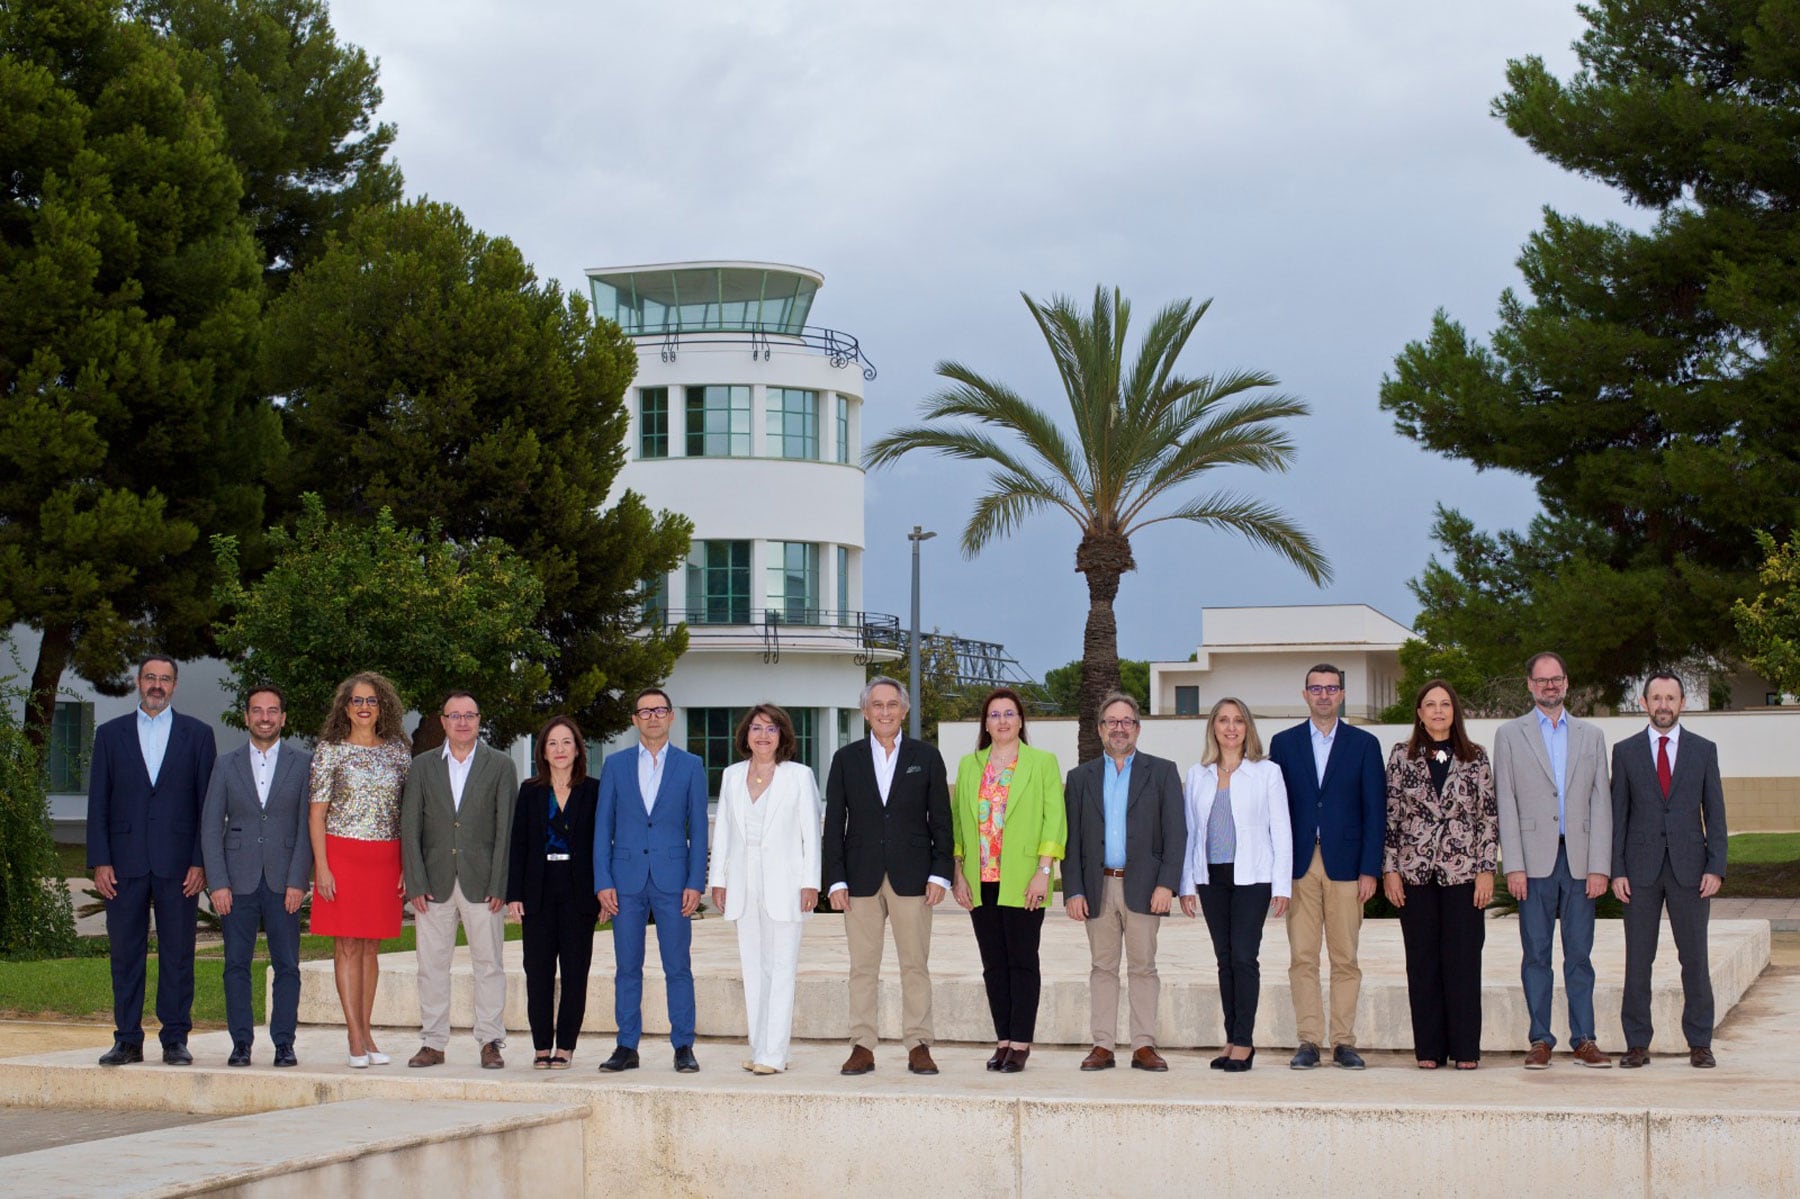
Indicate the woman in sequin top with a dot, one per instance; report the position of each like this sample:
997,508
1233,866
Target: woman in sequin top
358,769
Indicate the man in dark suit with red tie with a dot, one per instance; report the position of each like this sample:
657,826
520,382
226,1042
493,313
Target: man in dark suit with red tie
1668,851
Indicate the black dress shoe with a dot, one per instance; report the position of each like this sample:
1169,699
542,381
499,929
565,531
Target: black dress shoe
1015,1060
621,1059
1218,1063
240,1056
123,1053
284,1056
685,1061
1239,1065
177,1055
1305,1058
999,1058
1346,1058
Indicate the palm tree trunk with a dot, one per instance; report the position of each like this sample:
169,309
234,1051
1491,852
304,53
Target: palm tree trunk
1103,558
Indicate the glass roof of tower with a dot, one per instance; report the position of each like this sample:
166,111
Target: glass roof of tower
690,297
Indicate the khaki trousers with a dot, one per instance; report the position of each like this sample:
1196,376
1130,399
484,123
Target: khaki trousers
1323,907
864,929
435,929
1110,927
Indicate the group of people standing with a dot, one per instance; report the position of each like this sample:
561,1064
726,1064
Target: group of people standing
1306,830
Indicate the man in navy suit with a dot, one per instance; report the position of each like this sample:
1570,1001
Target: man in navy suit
1337,799
650,860
145,789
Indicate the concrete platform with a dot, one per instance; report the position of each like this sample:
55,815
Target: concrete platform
1189,1016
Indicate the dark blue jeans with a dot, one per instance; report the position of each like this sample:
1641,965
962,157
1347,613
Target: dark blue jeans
1560,896
267,909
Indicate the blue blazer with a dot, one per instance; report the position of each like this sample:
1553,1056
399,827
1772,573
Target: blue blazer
137,828
1347,812
667,844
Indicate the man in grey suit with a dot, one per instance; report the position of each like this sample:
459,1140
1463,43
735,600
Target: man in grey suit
1127,836
253,839
1668,849
456,817
1556,849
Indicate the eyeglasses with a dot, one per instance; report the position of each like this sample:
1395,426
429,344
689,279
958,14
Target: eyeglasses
365,701
1125,723
1555,680
156,678
459,717
1324,688
764,730
1007,714
653,713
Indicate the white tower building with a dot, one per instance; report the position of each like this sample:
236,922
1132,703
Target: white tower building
748,421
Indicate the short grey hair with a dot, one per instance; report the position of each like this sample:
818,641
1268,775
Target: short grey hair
882,680
1119,697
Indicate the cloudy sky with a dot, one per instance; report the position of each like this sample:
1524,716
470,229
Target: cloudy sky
1327,173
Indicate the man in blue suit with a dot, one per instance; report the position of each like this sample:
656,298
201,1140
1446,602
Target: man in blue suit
650,860
145,789
1337,801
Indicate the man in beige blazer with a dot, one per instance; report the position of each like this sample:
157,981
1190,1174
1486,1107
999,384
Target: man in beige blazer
455,824
1556,848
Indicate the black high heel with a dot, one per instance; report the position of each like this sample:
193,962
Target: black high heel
1240,1065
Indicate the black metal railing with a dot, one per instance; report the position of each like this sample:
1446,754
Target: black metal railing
840,349
796,627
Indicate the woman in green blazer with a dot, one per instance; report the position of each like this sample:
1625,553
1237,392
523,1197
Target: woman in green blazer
1010,826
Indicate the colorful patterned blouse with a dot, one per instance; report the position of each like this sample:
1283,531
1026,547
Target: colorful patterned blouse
362,784
990,816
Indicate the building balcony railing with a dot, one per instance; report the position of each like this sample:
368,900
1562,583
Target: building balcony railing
869,635
840,349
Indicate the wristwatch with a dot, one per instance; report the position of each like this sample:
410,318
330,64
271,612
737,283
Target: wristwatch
1044,870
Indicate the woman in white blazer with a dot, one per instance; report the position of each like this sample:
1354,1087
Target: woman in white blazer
1240,858
765,872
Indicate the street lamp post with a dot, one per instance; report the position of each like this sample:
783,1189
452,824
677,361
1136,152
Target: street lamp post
912,643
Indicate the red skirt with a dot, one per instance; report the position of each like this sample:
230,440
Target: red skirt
368,903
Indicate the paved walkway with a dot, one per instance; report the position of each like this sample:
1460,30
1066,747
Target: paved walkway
1783,915
28,1129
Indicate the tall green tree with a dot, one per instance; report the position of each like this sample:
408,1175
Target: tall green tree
1651,382
433,615
428,371
1770,622
1139,432
129,311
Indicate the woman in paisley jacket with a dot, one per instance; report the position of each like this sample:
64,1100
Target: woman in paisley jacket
1443,836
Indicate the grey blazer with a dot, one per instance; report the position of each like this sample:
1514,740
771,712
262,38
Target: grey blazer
1155,831
442,845
1525,789
242,842
1689,826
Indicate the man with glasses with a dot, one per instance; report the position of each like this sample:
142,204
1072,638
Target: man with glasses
1127,837
1556,846
146,787
650,860
455,831
1337,800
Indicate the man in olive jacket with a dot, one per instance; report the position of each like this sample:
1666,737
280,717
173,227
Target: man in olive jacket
455,828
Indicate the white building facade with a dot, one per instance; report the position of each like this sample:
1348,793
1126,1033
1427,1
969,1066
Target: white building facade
748,421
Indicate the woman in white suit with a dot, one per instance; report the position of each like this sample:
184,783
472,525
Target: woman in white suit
765,872
1240,857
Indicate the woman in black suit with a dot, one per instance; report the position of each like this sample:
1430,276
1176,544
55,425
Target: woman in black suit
550,887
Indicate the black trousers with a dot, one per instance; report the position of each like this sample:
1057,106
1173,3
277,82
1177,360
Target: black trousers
1008,938
1444,932
128,931
1235,914
560,932
1688,914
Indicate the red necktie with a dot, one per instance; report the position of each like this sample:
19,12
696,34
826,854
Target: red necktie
1663,774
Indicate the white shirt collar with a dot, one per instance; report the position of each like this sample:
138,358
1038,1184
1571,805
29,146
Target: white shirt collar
1674,735
452,759
1317,735
166,716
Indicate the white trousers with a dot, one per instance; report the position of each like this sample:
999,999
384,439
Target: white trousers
436,932
769,952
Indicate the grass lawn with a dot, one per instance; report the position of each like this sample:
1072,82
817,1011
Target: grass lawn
1762,866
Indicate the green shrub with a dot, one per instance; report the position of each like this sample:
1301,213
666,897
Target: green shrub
36,919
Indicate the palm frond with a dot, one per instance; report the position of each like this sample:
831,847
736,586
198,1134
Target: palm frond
969,445
1261,523
1002,510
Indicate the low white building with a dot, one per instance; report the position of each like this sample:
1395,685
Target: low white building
1261,655
748,420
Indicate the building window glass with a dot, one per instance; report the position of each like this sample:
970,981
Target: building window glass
718,422
656,601
709,733
1187,701
793,423
718,582
794,580
845,733
843,583
843,428
653,422
71,732
806,736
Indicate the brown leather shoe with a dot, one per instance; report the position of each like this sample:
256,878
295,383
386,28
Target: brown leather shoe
1147,1058
918,1060
1636,1056
1539,1057
427,1056
490,1057
1588,1054
1700,1057
860,1061
1098,1058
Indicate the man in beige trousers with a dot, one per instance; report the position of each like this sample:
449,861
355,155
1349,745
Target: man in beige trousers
455,825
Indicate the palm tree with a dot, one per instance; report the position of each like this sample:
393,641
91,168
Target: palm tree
1140,432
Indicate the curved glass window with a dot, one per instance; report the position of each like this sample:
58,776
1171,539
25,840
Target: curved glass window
793,422
718,422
